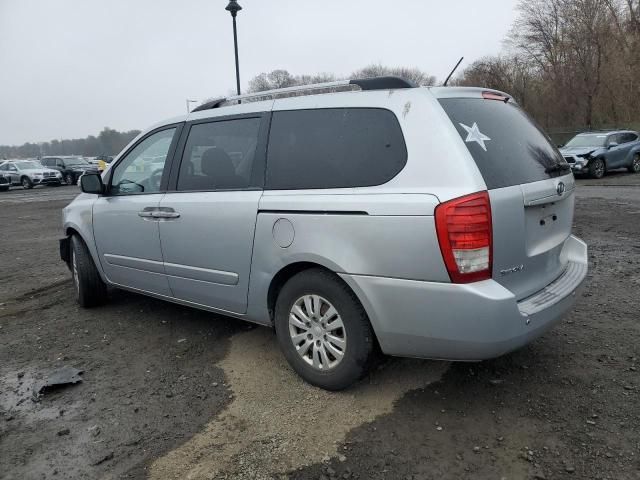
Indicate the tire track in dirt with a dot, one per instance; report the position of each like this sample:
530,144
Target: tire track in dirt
276,422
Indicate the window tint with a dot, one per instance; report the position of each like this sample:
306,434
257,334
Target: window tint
628,137
334,148
141,170
46,162
219,155
508,148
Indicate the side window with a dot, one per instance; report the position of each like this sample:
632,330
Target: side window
219,155
629,137
616,138
334,148
141,170
45,162
4,167
60,163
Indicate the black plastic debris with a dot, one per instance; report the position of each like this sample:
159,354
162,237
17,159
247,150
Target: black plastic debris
58,379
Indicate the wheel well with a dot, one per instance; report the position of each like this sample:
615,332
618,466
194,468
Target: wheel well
283,277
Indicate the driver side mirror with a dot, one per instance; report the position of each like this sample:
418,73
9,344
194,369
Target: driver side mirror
91,183
613,144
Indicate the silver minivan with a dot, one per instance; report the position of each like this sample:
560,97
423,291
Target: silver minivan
354,217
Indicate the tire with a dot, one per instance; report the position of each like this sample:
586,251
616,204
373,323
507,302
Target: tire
635,164
69,179
597,168
89,287
339,371
26,183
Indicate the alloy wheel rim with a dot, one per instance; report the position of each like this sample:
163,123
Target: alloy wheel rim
599,168
636,163
317,332
25,183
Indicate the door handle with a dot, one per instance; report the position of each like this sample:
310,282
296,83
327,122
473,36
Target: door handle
165,214
145,214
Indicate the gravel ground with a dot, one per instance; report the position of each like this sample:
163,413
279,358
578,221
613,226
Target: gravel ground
170,392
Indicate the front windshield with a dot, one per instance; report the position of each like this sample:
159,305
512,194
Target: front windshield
26,165
587,141
75,161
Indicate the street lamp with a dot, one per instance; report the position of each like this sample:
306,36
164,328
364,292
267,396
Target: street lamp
233,8
189,102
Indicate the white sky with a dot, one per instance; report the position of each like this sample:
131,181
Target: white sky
70,67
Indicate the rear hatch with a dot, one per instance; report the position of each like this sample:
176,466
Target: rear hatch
530,186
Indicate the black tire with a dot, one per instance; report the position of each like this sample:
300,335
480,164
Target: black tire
635,164
26,183
597,168
89,287
4,188
69,178
359,351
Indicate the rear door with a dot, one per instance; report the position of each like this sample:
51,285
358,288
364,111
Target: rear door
212,207
530,186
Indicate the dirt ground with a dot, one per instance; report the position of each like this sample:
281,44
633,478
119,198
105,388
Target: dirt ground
170,392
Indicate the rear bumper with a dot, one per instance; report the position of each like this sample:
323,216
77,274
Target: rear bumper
465,322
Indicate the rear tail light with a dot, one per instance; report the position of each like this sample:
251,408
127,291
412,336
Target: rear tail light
464,234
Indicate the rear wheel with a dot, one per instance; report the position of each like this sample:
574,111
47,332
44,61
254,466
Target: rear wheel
596,168
26,183
69,178
89,287
323,330
635,164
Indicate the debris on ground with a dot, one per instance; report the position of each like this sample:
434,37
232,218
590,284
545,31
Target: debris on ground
58,379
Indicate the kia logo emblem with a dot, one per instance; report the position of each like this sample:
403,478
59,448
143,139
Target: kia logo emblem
560,188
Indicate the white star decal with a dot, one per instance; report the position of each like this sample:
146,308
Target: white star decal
475,135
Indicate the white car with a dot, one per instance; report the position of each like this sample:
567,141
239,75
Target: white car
29,173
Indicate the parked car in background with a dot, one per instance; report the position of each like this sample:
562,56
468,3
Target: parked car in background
29,173
70,167
5,183
103,161
594,153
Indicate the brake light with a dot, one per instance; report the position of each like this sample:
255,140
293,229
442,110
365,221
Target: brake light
495,96
464,233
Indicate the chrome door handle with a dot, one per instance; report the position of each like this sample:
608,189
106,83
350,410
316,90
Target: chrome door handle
164,214
145,214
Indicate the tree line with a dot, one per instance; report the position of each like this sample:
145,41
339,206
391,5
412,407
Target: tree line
572,64
108,142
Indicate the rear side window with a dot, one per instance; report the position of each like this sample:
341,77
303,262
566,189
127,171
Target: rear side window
219,155
508,148
334,148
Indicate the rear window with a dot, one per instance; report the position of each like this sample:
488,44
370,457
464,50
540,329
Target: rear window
508,148
334,148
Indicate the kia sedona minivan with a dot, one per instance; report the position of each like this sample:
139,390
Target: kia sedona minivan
353,217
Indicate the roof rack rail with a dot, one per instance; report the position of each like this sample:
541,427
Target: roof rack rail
376,83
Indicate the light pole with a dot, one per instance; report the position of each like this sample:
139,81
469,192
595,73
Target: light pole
189,102
233,8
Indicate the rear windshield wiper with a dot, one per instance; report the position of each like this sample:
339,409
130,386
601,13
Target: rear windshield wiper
558,167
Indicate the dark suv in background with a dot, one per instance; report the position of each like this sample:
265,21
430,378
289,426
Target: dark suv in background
71,168
594,153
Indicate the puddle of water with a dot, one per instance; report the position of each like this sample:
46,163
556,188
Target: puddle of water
276,422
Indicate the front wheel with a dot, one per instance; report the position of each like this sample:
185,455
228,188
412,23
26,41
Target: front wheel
69,178
323,331
26,183
89,287
596,168
635,164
